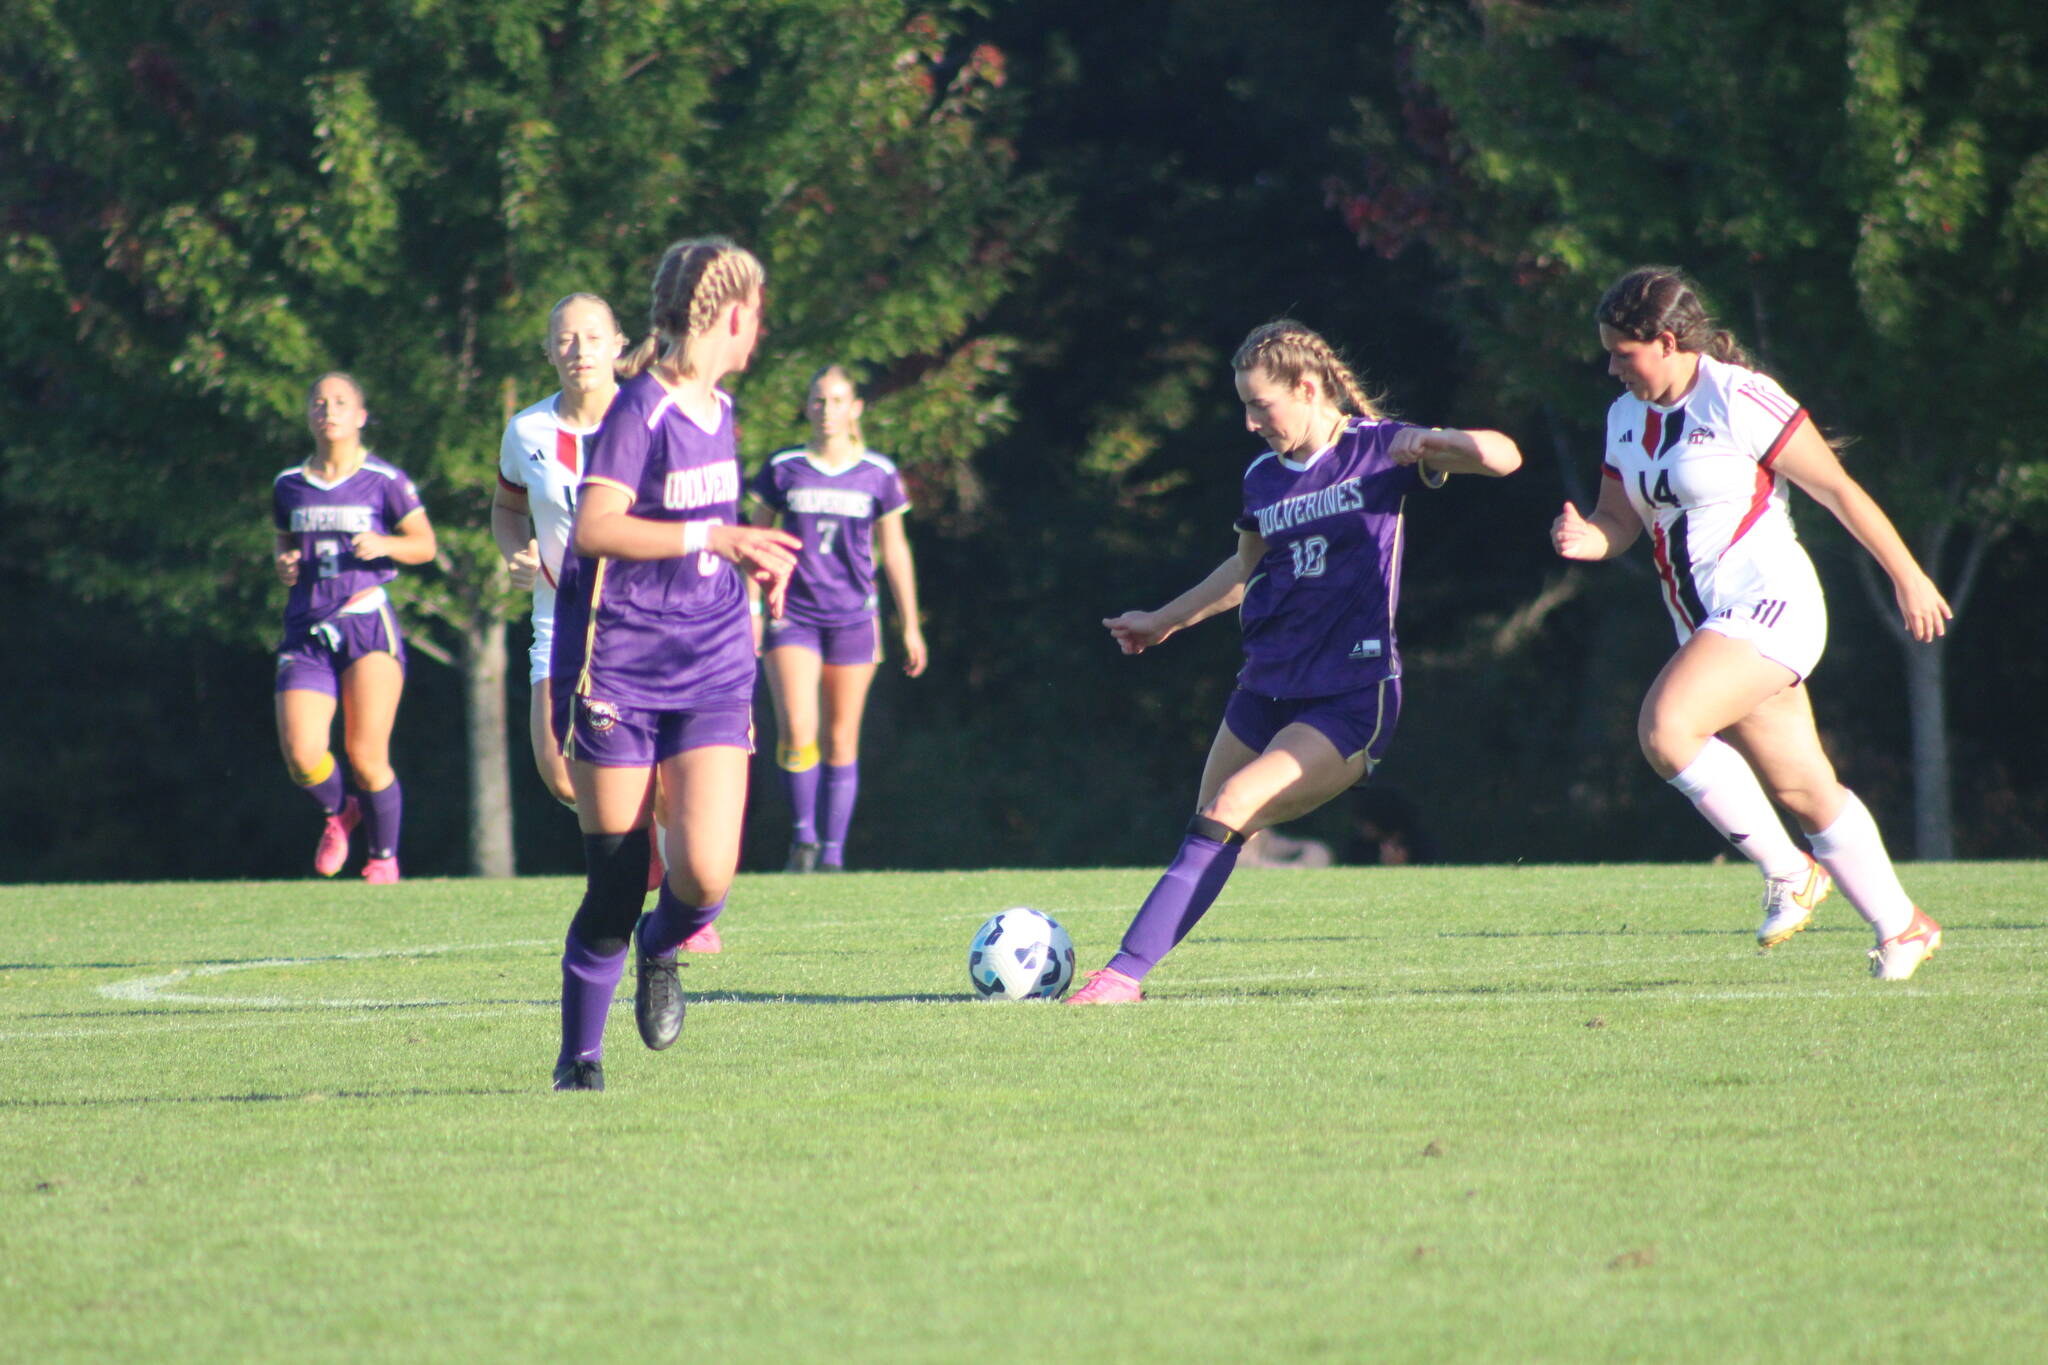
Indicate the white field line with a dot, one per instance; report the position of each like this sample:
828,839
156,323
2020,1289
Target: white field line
157,989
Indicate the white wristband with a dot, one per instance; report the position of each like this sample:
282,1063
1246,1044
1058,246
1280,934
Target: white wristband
696,536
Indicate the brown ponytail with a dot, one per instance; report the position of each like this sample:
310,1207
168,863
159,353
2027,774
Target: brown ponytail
1654,299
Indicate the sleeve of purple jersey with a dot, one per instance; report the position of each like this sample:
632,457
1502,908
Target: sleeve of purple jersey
618,452
894,497
280,517
764,487
401,499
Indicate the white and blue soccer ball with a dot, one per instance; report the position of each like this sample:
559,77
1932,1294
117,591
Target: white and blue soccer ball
1021,954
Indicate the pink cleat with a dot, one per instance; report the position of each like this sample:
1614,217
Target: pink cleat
1899,956
380,871
333,849
705,940
1106,987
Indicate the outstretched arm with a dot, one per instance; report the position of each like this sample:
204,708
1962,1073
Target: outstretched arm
1138,631
605,526
1447,450
1810,462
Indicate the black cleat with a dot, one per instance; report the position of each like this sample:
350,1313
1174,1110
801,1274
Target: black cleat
579,1076
657,997
802,858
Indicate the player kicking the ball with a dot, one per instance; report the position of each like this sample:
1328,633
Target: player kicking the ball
1318,573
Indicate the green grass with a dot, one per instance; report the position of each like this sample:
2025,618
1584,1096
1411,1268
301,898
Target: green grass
1546,1114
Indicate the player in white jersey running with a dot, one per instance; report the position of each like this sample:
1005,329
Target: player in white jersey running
540,462
1698,452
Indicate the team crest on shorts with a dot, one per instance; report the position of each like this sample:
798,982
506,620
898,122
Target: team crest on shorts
600,716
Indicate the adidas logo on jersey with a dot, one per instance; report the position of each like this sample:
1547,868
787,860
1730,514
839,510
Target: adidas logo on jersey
1366,649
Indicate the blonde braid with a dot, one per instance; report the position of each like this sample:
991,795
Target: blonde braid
696,279
1287,350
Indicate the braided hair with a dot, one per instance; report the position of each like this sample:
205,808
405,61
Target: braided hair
1287,351
696,279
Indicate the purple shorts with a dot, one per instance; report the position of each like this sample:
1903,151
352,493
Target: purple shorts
613,736
1360,722
858,643
313,659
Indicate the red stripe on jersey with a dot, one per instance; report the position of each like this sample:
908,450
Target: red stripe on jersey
1792,424
548,576
1653,428
1610,471
504,482
1779,406
567,446
1667,581
1759,498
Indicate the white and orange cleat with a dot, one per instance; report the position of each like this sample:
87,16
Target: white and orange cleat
332,851
381,871
1899,956
1107,987
1789,903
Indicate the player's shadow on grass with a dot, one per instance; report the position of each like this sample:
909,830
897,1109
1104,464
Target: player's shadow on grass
266,1097
801,998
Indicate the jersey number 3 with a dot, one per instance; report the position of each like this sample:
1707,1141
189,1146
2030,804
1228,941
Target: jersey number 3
1311,557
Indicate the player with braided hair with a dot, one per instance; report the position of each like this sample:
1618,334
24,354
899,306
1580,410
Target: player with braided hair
1698,451
653,665
1318,572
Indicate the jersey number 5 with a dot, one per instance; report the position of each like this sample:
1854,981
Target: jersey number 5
1311,557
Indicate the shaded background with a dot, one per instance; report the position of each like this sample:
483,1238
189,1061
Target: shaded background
1195,152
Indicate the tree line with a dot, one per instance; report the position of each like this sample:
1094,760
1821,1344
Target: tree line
1036,230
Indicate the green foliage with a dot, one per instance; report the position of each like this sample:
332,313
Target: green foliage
209,204
1409,1115
1858,184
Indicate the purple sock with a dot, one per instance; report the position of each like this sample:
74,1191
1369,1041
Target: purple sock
802,791
328,791
1183,895
841,786
381,811
671,921
589,979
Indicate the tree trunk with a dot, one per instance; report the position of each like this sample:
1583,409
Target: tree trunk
1934,826
490,769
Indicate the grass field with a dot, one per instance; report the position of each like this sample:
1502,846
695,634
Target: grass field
1545,1114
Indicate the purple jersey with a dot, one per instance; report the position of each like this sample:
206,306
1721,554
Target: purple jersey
1318,611
834,514
324,519
658,634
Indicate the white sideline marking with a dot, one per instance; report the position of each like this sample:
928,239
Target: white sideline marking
154,990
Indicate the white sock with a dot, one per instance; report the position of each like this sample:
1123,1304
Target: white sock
1852,851
1721,787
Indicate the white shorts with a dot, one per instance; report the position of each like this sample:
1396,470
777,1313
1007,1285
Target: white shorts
1790,630
543,633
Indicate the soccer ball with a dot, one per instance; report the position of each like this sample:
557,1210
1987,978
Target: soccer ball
1021,954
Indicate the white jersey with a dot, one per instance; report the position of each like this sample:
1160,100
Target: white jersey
545,458
1699,475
